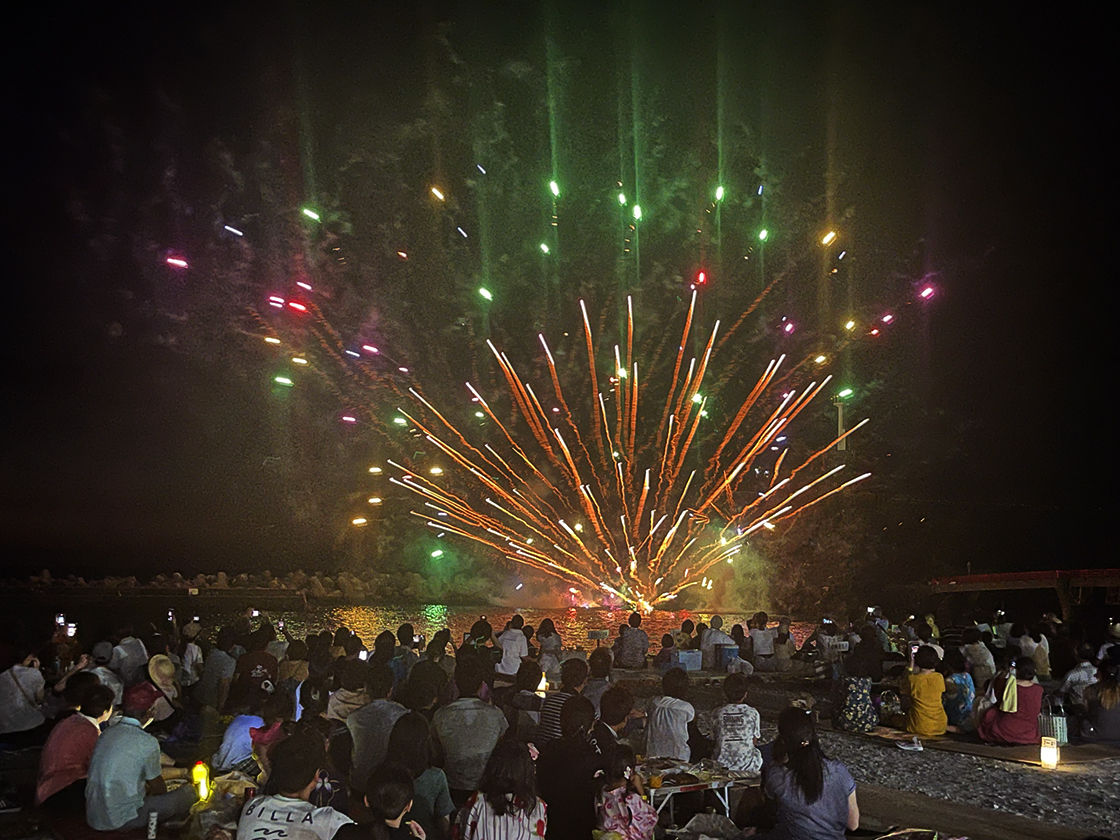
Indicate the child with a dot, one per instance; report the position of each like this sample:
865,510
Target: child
389,797
506,804
665,655
669,718
622,811
960,692
736,729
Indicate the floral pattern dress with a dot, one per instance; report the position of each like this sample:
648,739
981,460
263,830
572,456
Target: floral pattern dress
958,698
855,711
624,812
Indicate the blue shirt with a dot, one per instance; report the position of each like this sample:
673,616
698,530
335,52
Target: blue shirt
124,760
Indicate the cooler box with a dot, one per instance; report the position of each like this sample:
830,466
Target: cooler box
724,655
689,660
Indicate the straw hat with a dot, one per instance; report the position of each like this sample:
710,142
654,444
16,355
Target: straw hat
191,629
161,670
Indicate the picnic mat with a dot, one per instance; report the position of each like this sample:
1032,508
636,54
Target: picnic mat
968,745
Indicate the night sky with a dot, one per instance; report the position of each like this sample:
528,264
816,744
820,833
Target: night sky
978,133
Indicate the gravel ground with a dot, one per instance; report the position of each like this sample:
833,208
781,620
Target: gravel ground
1083,795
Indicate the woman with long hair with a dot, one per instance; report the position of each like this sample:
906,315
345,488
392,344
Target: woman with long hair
410,744
815,795
1102,702
506,806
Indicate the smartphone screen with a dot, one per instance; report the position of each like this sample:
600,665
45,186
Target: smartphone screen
255,613
418,639
363,655
197,620
59,619
71,629
280,624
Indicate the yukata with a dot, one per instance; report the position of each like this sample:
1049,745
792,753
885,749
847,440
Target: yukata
625,813
856,712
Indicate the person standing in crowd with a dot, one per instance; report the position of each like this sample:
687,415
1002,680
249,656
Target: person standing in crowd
815,796
468,729
125,784
573,678
286,812
616,709
514,645
669,717
736,728
551,645
64,763
635,644
371,725
506,805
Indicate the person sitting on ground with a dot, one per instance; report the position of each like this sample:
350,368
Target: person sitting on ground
1014,717
565,773
925,635
979,659
736,728
351,694
22,687
573,679
425,687
550,644
924,685
713,640
294,667
621,811
1038,648
960,692
599,681
1079,679
664,656
522,706
411,745
284,810
437,652
332,788
514,645
236,751
854,711
762,640
682,638
616,710
217,671
160,693
71,691
64,762
405,651
635,644
468,729
190,654
1102,703
669,717
389,797
130,657
277,713
256,671
371,725
124,783
101,654
815,795
506,804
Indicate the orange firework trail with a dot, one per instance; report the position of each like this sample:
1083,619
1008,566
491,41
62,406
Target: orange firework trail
626,519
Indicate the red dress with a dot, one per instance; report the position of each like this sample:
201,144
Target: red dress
1019,727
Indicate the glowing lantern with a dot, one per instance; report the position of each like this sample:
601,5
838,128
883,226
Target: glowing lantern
200,778
1050,753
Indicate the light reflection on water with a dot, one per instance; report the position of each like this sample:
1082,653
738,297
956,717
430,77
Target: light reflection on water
572,624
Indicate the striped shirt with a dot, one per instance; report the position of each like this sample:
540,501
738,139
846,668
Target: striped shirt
479,822
549,727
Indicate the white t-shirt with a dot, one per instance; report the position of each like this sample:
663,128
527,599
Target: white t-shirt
271,817
734,729
668,728
130,659
192,664
21,691
514,646
764,640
